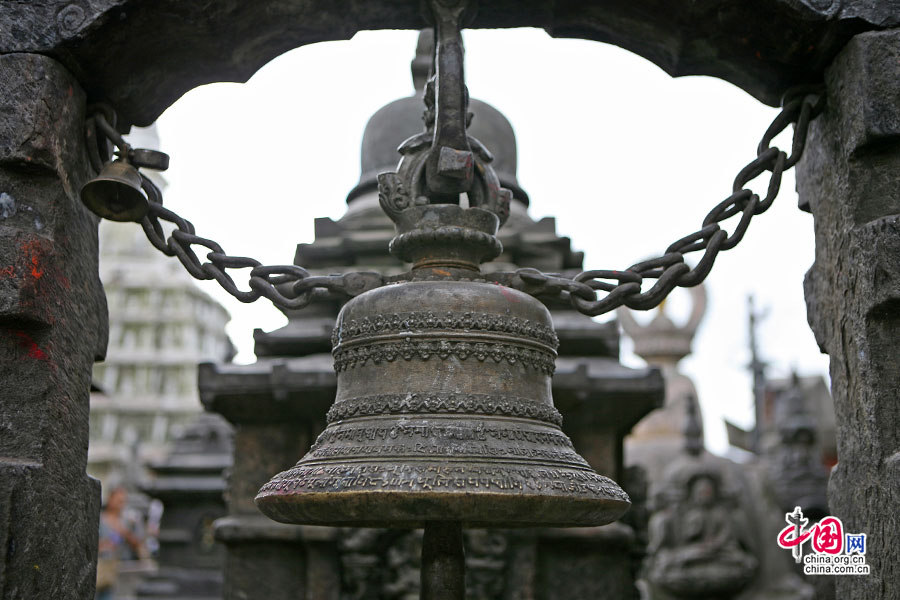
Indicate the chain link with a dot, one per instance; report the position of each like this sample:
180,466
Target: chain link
292,287
799,107
287,286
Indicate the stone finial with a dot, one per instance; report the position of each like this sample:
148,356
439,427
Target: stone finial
662,341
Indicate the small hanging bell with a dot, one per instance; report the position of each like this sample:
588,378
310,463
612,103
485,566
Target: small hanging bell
115,193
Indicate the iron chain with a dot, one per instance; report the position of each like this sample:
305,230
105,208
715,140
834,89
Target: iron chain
287,286
799,107
292,287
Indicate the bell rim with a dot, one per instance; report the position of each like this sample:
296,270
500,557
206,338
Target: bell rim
413,509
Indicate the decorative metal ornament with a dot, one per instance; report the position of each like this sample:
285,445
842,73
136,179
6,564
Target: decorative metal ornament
444,416
443,408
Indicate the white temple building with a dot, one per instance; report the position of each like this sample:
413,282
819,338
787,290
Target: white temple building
161,326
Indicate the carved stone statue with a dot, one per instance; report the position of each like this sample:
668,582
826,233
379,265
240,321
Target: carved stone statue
712,531
701,544
794,464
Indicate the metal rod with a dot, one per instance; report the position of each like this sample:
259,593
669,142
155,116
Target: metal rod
450,163
443,561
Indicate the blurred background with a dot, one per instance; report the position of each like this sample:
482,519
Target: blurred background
626,158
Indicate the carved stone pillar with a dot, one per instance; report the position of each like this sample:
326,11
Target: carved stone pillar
52,328
850,179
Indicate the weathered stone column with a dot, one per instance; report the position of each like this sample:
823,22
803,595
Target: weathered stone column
851,179
52,327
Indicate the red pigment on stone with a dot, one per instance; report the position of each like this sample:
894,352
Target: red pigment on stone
34,249
34,351
9,271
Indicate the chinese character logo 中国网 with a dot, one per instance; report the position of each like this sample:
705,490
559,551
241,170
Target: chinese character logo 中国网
833,552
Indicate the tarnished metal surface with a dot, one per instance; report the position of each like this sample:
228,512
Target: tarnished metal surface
444,414
115,193
276,404
443,562
439,164
450,161
443,408
287,286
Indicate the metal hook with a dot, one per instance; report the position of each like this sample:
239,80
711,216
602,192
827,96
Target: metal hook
450,165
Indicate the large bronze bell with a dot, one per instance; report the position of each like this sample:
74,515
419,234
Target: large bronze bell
443,413
115,193
443,408
443,416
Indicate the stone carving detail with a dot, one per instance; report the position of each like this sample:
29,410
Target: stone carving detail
487,558
794,465
700,541
69,19
383,564
425,349
396,323
379,564
429,403
829,7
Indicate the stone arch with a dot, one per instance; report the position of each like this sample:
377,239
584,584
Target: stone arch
142,56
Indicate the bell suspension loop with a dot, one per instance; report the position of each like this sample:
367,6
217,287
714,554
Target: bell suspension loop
450,164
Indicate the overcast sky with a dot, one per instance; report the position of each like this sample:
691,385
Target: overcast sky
626,158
